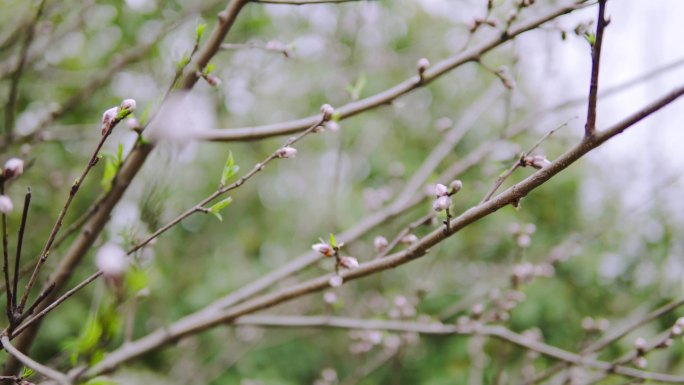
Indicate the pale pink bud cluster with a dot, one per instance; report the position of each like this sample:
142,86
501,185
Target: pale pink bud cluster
6,205
108,118
402,308
525,272
364,340
324,248
380,243
536,161
128,104
443,195
111,260
595,325
286,152
327,111
113,115
523,234
13,168
678,328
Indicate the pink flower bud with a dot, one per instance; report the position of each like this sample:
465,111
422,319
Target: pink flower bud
640,345
128,104
5,204
524,240
329,297
213,80
323,248
111,260
133,124
335,281
422,65
441,190
640,362
676,330
409,239
380,243
327,111
349,262
332,125
286,152
537,161
13,168
442,203
456,186
108,117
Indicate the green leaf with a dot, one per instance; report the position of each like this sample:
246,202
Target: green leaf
209,68
590,37
184,60
356,89
119,155
337,116
333,243
100,381
109,173
229,169
26,372
217,207
199,31
136,280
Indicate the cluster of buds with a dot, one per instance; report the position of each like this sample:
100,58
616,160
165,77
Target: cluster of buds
591,325
364,340
443,195
333,250
114,115
523,234
375,198
12,169
502,304
402,308
536,161
328,377
286,152
526,272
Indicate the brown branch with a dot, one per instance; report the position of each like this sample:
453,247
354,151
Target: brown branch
20,243
387,96
590,127
9,309
211,316
50,373
305,2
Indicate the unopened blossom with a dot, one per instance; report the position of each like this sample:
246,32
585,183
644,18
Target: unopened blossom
537,161
442,203
640,345
640,362
330,297
108,118
349,262
524,240
335,281
13,168
380,243
212,80
111,260
456,186
133,124
327,111
409,239
5,204
422,65
324,249
441,190
332,125
286,152
128,105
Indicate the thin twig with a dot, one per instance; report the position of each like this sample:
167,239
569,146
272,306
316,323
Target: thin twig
50,373
281,50
590,127
20,242
305,2
5,263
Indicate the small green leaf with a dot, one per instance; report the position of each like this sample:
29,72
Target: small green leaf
109,173
209,68
590,37
336,117
100,381
199,31
119,155
182,62
333,243
217,207
26,372
229,169
136,280
356,89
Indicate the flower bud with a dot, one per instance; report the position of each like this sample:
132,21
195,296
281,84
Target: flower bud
286,152
327,111
409,239
212,80
640,362
537,161
442,203
335,281
5,204
441,190
133,124
349,262
524,240
323,248
329,297
422,65
111,260
108,117
380,243
13,168
640,345
456,186
128,104
332,125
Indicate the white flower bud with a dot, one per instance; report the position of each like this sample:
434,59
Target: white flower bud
640,345
409,239
442,203
676,330
335,281
422,65
128,104
327,111
13,168
349,262
456,186
477,310
286,152
588,324
640,362
323,248
329,297
108,117
524,240
5,204
213,80
441,190
380,243
332,125
537,161
133,124
111,260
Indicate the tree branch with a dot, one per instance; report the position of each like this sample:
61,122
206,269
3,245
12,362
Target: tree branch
50,373
590,127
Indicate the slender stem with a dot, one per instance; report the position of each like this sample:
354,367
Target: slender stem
50,373
5,263
590,127
305,2
20,242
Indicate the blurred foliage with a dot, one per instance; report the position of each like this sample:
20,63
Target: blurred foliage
623,263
